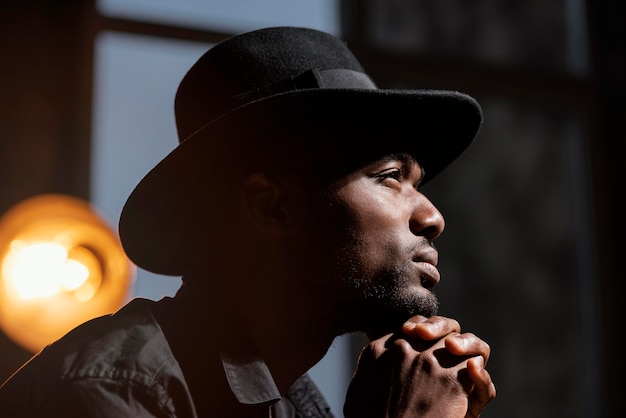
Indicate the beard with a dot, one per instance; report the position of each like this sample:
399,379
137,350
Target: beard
387,301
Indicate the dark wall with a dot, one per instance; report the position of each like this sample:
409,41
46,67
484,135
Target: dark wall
45,76
606,21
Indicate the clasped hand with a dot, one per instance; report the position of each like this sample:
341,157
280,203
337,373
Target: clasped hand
430,369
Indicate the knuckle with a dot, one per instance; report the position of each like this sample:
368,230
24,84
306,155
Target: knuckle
454,324
445,322
402,346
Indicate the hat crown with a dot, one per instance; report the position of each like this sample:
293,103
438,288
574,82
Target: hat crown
248,63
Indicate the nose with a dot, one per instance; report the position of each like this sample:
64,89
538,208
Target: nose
426,220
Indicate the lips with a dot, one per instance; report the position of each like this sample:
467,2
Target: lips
425,260
429,275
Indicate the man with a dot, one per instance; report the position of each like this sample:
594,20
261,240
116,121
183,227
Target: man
292,210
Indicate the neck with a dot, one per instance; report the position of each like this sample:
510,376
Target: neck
271,326
289,339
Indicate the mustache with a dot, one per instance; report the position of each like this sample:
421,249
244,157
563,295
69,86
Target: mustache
416,246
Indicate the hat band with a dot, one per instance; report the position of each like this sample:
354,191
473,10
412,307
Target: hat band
312,79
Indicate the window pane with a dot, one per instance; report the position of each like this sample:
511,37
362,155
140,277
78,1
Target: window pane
230,16
534,34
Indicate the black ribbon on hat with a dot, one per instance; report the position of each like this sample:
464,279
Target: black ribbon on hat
312,79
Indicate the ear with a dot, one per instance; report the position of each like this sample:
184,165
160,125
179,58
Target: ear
265,200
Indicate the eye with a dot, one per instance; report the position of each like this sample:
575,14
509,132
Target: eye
389,176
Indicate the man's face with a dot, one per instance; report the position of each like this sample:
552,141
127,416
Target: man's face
380,241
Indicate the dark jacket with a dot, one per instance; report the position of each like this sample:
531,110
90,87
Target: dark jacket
119,366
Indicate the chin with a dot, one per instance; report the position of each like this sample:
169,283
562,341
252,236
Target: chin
385,316
389,299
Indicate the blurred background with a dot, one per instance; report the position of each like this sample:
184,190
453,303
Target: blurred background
529,259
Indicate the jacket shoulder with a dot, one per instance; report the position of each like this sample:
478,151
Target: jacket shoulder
125,351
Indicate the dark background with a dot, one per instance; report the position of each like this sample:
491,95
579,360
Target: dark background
530,256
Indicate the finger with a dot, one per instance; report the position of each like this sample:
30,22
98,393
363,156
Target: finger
431,328
467,344
373,350
484,390
380,345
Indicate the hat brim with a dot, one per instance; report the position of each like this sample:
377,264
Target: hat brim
436,126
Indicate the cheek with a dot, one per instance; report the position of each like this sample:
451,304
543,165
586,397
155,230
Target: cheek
379,220
366,223
377,240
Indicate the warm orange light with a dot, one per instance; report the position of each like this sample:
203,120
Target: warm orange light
61,265
44,269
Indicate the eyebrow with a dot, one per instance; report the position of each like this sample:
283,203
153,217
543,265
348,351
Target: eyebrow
401,156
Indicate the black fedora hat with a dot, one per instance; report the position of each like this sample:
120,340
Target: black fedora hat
302,77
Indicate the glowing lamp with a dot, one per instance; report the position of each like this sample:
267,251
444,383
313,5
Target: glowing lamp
60,265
